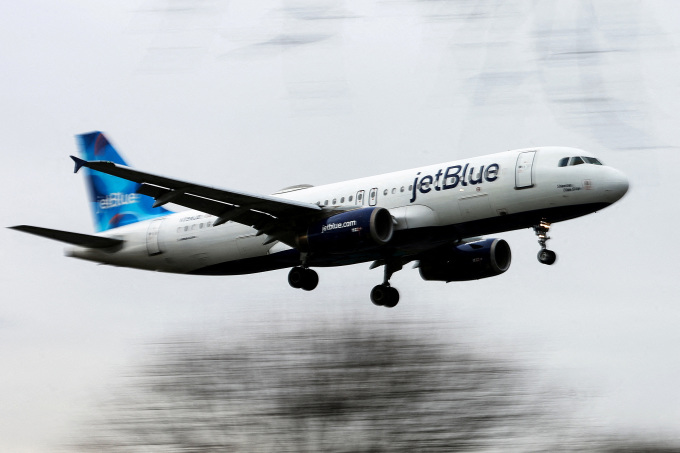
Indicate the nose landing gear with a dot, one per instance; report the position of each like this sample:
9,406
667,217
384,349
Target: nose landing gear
545,256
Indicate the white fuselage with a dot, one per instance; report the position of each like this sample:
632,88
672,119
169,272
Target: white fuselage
480,195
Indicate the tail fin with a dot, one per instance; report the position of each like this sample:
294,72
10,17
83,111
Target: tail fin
114,201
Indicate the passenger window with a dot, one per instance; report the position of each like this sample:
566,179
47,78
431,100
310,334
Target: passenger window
335,200
325,203
350,198
342,200
563,162
576,161
385,192
410,187
394,190
200,226
186,228
208,225
402,189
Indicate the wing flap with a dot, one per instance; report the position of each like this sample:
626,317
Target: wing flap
82,240
183,199
223,211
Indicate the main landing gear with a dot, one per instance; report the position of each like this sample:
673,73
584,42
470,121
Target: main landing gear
303,277
384,295
545,256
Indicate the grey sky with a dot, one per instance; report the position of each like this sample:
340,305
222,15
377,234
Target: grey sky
261,95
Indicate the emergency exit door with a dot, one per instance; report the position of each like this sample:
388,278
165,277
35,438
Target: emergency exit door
359,201
373,197
524,175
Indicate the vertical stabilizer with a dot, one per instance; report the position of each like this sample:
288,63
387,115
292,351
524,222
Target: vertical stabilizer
114,201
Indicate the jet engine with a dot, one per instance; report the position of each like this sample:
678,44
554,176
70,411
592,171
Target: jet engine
356,230
470,261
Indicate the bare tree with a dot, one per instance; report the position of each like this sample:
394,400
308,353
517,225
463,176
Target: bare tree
347,389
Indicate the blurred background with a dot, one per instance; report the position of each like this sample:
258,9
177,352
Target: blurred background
259,96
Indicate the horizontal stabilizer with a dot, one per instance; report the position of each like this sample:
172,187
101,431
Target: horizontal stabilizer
83,240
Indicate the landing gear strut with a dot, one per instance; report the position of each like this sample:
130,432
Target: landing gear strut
384,295
304,278
545,256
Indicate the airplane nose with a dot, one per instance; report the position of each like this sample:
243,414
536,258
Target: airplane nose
616,186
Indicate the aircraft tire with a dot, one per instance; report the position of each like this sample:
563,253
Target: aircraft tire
379,295
393,298
547,257
384,296
310,280
296,277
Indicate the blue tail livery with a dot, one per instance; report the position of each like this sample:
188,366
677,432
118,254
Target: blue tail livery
114,201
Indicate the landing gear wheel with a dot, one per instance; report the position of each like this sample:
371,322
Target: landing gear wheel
378,295
546,256
393,298
384,296
301,277
310,280
296,277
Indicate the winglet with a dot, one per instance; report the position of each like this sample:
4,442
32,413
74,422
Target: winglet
80,163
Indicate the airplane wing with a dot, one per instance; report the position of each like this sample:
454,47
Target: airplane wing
276,217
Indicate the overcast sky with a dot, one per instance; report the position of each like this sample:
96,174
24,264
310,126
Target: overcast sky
262,95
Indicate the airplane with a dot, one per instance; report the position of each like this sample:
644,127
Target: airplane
434,216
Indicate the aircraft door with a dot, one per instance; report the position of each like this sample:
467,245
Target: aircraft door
373,197
524,170
359,201
152,245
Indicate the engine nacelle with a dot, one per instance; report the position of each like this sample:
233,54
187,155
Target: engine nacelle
470,261
356,230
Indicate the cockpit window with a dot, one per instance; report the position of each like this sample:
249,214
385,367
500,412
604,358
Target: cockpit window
578,160
592,160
